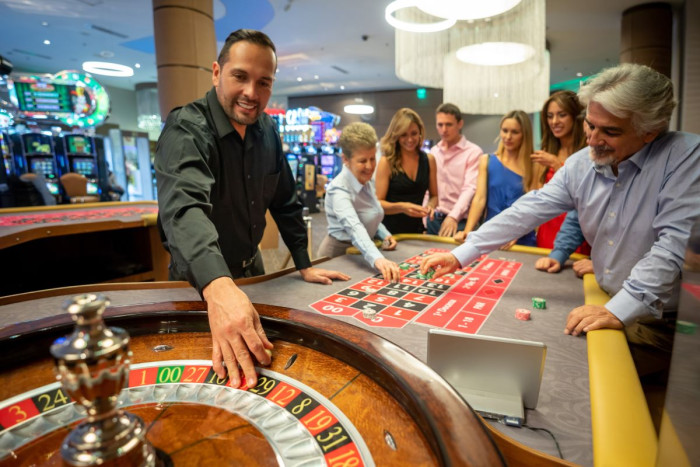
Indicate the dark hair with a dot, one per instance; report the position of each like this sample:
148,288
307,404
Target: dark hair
248,35
569,103
450,109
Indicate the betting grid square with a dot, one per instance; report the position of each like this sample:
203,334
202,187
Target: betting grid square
461,302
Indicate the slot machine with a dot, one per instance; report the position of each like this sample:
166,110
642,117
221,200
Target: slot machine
330,162
8,165
81,158
39,158
307,171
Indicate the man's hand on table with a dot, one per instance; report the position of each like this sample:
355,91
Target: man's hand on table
550,265
236,332
441,263
583,266
389,269
322,276
448,227
588,318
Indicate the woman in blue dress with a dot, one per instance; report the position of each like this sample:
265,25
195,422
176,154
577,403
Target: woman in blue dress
504,176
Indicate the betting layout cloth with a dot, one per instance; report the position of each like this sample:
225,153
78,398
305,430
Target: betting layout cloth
461,301
107,213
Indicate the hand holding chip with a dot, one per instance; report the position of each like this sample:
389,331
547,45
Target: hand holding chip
441,263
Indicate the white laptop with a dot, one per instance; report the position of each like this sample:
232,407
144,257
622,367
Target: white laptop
498,377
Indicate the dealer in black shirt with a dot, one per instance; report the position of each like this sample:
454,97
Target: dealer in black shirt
219,167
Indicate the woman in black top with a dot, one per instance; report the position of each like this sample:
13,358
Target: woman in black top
404,174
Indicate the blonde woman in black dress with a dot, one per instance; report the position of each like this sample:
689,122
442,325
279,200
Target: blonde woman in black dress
405,174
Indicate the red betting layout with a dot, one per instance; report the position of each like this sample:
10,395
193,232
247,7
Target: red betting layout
460,301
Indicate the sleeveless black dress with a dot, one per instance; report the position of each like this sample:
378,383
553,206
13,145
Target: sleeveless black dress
403,189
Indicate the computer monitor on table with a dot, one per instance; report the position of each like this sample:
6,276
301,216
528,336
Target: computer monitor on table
498,377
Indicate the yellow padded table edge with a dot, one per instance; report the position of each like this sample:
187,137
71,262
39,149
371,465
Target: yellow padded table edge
623,432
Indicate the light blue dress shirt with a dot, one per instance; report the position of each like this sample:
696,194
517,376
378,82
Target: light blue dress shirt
354,214
637,223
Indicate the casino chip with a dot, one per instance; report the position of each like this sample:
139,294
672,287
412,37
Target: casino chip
522,314
369,313
539,303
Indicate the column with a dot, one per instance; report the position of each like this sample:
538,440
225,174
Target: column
647,33
185,50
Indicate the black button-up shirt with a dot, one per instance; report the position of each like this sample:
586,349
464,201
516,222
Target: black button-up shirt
214,188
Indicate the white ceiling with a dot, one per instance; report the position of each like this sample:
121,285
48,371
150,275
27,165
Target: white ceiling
314,38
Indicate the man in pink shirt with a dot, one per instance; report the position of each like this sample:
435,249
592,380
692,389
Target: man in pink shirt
457,169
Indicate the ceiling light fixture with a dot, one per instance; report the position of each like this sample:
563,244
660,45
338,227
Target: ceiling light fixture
466,9
137,65
358,109
47,42
495,53
108,69
299,78
397,5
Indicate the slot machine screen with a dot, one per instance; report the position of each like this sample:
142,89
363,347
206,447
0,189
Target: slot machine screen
43,166
44,97
293,161
36,143
84,166
328,161
78,145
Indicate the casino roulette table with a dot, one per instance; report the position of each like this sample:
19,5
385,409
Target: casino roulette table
334,395
564,403
50,245
617,422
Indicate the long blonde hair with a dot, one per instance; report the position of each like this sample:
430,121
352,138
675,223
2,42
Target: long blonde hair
526,147
389,143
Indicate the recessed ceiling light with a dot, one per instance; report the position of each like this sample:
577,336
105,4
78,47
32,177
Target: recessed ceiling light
342,87
44,23
315,76
299,78
358,109
495,53
47,42
108,69
137,65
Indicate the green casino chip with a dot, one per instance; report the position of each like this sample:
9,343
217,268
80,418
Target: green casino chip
539,303
686,327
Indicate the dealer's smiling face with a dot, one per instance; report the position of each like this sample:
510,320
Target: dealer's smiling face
244,82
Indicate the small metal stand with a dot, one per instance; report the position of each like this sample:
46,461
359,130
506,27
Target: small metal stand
92,365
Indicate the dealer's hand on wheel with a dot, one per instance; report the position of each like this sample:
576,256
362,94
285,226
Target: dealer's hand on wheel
236,332
441,263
